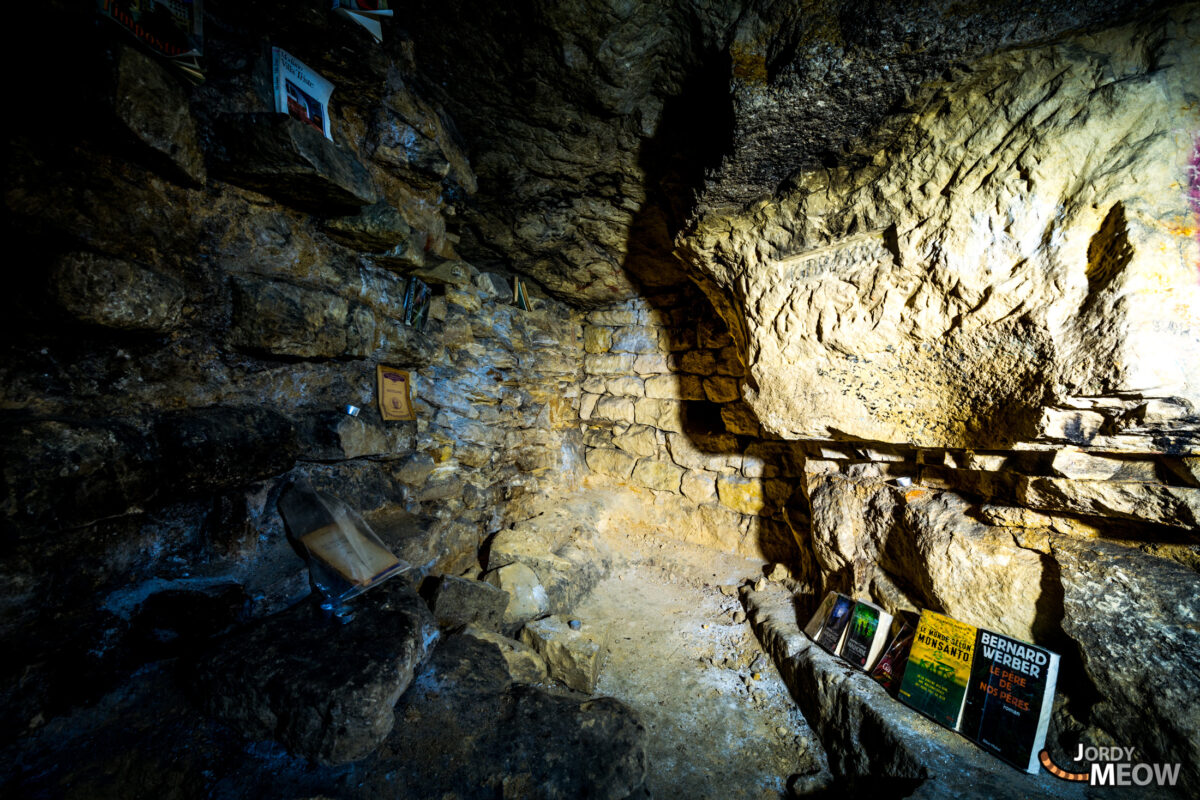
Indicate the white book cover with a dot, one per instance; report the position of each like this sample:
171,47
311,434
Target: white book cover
301,91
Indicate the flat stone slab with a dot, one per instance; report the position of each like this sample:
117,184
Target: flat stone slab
290,161
324,689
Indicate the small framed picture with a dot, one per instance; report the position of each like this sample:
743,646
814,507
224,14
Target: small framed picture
395,394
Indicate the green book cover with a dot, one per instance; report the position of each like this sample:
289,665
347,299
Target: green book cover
864,622
939,668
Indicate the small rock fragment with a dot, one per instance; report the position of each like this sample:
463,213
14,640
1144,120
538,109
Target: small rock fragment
527,596
573,657
739,617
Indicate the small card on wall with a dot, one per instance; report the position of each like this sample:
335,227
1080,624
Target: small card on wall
395,394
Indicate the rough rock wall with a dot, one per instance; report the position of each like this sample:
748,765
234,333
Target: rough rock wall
598,126
1024,242
1008,295
202,288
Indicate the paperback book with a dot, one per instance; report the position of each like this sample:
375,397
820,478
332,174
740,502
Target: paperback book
866,634
939,668
301,91
817,621
890,668
1009,698
520,299
173,29
417,297
367,13
832,632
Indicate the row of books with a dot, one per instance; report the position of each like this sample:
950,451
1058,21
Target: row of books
174,29
993,689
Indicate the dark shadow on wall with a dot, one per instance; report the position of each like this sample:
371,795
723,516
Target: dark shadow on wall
694,134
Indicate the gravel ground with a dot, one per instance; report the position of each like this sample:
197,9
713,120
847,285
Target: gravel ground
721,722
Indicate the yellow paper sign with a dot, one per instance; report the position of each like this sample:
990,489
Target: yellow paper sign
395,394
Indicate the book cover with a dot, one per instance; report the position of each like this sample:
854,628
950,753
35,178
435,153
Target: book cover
301,91
835,624
417,297
173,29
520,299
866,634
355,557
939,668
366,13
891,666
818,618
1009,698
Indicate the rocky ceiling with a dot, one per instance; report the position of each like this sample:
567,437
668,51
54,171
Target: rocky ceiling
597,128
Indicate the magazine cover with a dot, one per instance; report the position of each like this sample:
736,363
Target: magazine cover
416,303
171,28
301,91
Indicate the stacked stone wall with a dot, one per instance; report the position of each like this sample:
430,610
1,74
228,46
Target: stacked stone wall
661,411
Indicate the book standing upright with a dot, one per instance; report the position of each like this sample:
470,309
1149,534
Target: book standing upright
939,667
1009,698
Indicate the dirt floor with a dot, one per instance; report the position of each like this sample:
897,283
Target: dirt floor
721,722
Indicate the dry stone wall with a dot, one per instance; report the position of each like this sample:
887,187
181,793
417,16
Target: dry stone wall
661,411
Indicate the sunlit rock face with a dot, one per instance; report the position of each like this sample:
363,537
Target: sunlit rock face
596,126
1024,240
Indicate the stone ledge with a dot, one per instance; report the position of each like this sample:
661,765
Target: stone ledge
281,157
868,734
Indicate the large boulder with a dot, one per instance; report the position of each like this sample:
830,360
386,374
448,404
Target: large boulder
463,725
947,287
324,689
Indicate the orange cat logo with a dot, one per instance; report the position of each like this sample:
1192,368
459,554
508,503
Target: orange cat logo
1058,772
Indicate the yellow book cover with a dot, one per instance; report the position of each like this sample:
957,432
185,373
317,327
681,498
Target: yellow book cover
939,668
355,557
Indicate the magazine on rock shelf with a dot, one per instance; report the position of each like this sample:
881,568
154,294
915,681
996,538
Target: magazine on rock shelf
301,91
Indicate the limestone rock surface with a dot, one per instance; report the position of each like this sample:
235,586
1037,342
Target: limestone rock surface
946,288
322,688
526,596
574,657
1136,622
464,725
462,601
524,663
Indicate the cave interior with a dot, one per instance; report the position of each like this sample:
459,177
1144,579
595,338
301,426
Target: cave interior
728,304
